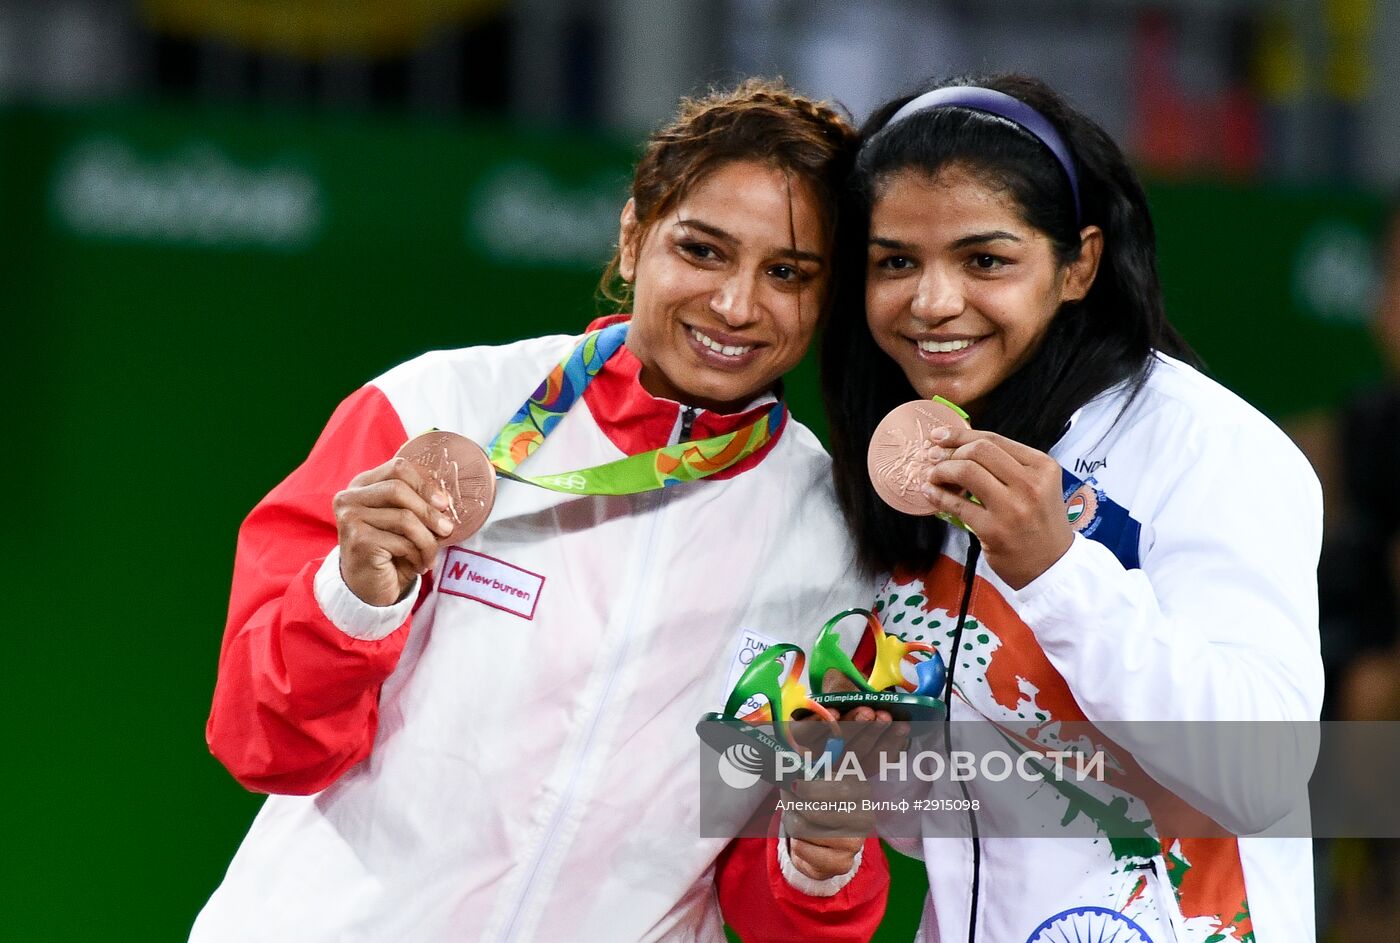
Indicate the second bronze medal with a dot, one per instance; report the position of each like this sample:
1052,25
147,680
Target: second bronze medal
461,469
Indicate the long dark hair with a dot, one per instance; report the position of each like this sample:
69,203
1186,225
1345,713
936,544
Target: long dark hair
1093,344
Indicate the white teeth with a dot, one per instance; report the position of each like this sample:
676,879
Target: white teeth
725,349
944,347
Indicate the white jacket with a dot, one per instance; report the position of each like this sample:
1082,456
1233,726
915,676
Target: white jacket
521,763
1189,594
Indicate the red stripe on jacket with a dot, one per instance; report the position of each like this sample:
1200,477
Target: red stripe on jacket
296,703
762,907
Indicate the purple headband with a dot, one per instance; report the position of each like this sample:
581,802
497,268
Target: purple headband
1002,105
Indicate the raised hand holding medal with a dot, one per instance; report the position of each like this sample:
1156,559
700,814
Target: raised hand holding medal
926,459
390,521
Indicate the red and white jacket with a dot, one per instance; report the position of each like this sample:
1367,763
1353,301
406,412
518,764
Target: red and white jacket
509,753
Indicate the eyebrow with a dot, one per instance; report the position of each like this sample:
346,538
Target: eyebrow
782,251
975,239
978,238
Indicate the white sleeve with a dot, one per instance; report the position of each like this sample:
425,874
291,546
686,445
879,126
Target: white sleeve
811,886
1219,624
352,615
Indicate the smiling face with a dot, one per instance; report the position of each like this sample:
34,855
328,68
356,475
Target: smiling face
960,290
727,286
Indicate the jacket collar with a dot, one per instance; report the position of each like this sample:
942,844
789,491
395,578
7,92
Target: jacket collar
635,421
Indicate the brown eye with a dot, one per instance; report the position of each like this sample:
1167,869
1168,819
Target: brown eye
699,251
896,263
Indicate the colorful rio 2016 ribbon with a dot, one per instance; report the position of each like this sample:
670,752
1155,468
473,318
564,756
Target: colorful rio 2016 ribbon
660,468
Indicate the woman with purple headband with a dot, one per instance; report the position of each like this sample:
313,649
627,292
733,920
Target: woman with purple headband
1117,538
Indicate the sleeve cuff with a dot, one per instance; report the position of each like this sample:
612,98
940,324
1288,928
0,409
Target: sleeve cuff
1044,599
811,886
1068,604
351,614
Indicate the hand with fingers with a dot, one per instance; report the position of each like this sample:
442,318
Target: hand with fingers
874,736
1019,511
823,837
823,844
391,521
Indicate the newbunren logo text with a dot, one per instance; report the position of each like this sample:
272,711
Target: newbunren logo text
496,583
460,571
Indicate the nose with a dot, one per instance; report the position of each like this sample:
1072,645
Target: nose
734,300
938,297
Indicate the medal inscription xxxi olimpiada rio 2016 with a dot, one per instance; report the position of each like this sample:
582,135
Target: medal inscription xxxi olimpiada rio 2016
461,469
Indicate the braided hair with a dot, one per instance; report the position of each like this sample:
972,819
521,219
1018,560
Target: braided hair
761,120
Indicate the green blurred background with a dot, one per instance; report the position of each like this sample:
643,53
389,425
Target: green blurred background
191,292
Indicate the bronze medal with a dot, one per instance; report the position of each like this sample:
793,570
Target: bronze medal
902,454
461,469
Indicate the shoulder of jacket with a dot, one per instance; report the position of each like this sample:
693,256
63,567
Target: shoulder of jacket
470,390
801,451
1210,407
804,442
463,364
1181,411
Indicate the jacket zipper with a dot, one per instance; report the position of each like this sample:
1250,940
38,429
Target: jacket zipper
687,423
974,552
566,798
1165,898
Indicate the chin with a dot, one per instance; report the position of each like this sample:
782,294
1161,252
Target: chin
725,401
729,399
952,388
929,388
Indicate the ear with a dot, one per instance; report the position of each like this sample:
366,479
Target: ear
627,242
1079,274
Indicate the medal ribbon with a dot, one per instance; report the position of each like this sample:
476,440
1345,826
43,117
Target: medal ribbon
649,471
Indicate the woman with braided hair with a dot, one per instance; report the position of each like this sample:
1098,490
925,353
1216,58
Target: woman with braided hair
490,737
